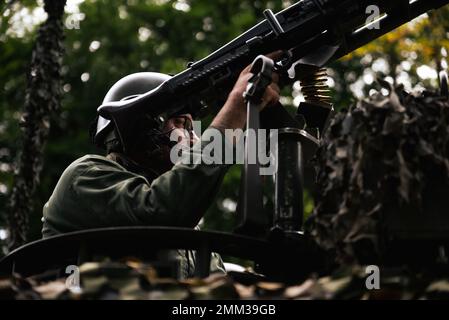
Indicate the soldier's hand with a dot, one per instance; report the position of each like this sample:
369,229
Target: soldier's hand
271,95
233,113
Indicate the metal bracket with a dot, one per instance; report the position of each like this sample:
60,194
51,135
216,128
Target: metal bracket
252,219
274,22
444,87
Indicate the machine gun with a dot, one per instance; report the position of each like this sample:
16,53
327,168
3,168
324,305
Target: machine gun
311,33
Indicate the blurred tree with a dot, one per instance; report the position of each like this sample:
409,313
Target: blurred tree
41,98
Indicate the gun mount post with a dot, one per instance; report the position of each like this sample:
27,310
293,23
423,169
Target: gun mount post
253,221
288,202
289,156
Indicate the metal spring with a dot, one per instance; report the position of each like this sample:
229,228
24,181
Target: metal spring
314,87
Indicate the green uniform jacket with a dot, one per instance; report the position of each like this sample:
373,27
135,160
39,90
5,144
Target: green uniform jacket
95,192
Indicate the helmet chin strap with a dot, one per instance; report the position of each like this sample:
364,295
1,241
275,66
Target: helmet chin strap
133,166
150,155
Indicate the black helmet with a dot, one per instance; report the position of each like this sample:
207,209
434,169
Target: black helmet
128,87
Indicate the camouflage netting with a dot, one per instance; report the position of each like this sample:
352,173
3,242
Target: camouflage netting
388,155
133,280
42,100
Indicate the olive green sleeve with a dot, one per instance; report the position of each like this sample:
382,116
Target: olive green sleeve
180,197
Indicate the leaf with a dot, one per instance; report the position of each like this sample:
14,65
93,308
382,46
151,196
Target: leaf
245,292
309,289
51,290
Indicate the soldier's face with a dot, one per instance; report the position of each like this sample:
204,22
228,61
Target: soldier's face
180,128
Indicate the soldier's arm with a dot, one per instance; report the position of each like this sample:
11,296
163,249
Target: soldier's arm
114,196
181,196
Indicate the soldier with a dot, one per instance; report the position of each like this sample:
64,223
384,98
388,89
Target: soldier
142,187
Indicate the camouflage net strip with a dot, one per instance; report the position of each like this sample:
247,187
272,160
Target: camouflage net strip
41,100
